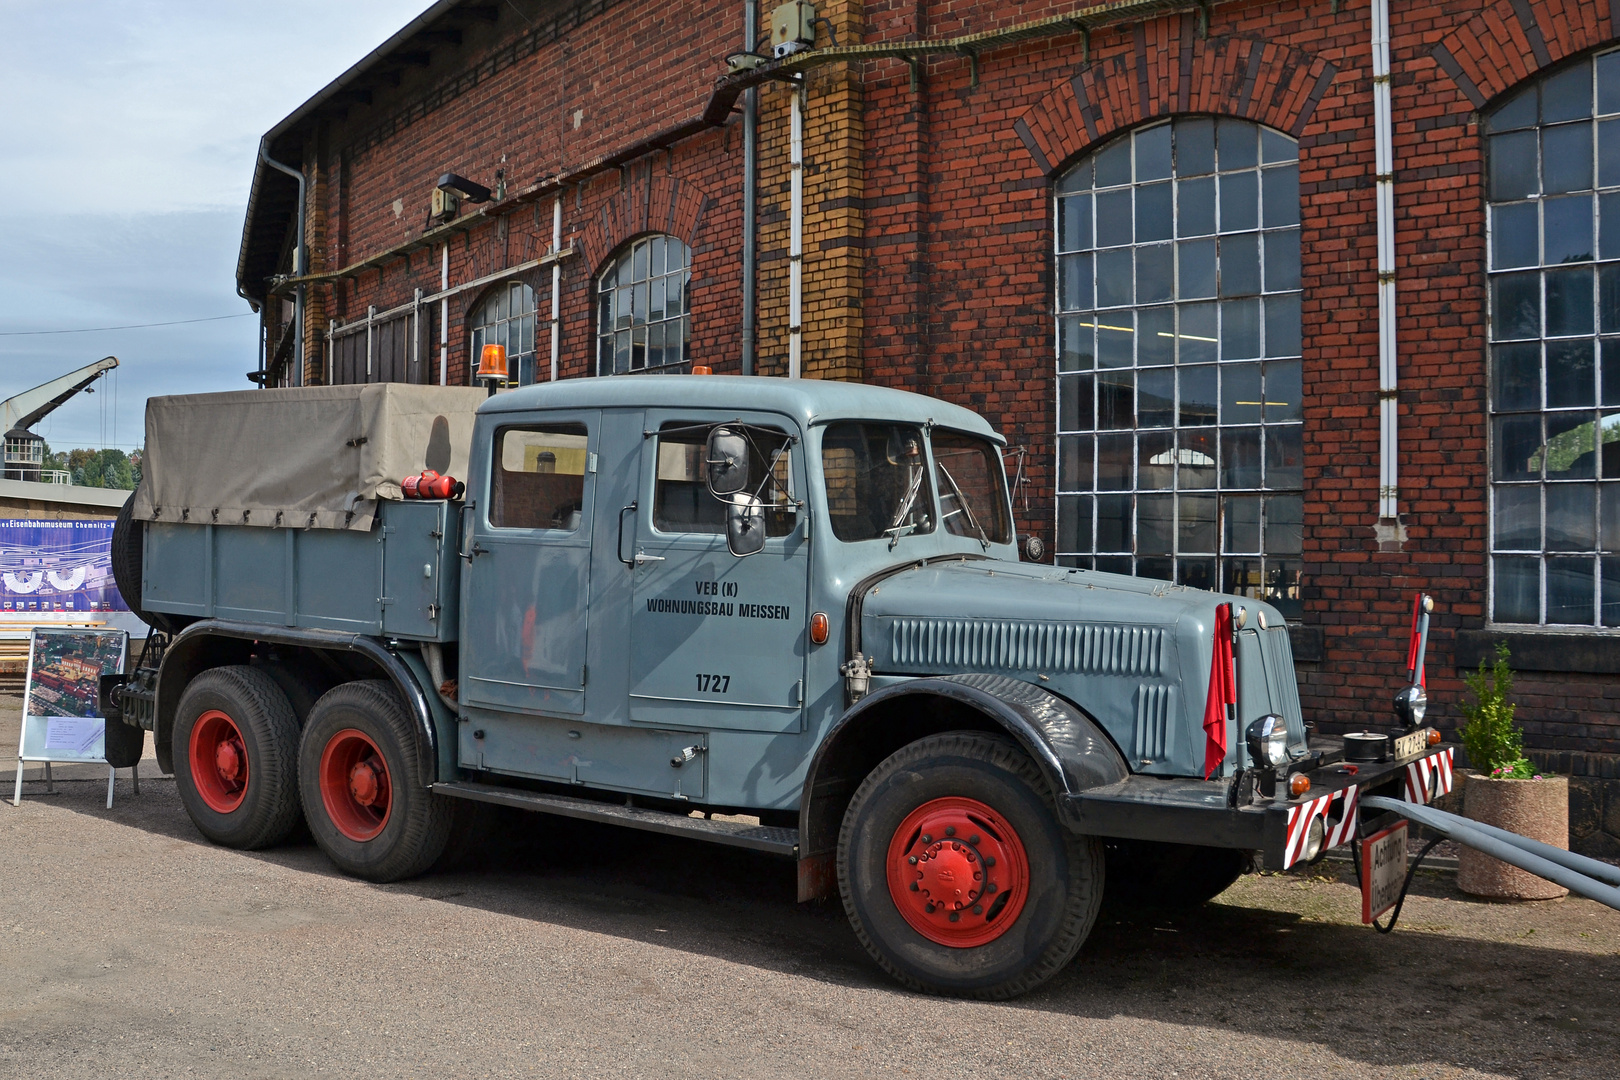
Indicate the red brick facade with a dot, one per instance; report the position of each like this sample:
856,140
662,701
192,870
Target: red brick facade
946,229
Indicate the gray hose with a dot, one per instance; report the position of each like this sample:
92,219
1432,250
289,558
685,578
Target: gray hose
1568,869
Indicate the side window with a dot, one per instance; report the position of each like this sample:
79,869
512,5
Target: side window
681,499
539,478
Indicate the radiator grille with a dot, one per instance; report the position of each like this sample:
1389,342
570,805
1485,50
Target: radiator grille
935,645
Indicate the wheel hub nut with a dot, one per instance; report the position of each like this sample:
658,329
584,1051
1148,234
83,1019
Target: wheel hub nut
228,760
365,783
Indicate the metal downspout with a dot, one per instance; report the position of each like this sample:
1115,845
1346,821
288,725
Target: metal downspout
750,133
300,256
795,228
444,315
1384,169
556,286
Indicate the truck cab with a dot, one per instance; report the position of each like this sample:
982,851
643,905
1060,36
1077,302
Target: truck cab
608,628
784,615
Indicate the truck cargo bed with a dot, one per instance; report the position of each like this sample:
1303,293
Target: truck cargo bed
399,579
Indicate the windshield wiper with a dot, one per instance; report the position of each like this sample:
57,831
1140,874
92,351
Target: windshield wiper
912,488
961,501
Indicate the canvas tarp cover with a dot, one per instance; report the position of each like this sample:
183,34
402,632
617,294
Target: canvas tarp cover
309,457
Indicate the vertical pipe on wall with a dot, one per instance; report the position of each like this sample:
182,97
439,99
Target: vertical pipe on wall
300,259
444,316
556,285
795,227
750,132
1384,169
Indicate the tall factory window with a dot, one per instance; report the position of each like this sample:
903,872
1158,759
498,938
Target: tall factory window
1178,358
506,317
643,318
1553,187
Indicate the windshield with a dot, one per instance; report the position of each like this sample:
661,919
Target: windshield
971,483
876,483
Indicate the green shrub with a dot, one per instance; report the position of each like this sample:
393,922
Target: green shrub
1494,742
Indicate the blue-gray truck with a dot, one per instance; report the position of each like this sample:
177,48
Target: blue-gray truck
789,616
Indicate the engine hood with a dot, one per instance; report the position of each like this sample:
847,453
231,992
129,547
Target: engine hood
1133,653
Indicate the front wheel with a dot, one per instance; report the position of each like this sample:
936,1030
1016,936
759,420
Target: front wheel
363,791
956,875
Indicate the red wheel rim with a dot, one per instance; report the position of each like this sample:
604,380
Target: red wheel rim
355,785
957,872
219,762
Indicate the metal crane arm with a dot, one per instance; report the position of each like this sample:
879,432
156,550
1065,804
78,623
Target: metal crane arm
31,406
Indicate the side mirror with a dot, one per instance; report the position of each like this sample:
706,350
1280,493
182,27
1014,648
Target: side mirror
726,458
745,526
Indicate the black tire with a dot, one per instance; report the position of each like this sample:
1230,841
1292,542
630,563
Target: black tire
1176,877
128,542
413,832
268,811
1065,871
124,744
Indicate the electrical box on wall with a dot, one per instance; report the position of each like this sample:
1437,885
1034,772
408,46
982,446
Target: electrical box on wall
445,203
793,28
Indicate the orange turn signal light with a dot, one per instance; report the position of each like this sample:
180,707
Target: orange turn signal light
1298,784
492,362
818,628
1434,736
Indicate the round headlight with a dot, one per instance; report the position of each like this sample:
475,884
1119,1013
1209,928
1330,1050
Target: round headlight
1411,705
1268,741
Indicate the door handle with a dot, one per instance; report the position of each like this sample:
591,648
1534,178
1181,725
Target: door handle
619,549
642,558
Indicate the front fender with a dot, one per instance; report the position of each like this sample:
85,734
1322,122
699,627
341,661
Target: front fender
1067,746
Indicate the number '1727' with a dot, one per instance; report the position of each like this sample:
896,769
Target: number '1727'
713,684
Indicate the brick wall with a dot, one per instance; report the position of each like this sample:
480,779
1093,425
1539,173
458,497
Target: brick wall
928,240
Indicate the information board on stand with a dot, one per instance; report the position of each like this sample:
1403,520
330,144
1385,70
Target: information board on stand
61,699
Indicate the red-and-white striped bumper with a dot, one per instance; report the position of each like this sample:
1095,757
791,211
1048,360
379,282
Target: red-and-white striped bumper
1428,778
1337,809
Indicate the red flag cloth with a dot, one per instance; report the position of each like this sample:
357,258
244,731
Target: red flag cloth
1222,692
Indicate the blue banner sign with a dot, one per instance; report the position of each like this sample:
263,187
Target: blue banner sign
57,566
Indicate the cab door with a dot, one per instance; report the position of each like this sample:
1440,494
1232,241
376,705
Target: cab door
527,594
717,641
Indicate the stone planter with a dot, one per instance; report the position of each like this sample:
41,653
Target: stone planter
1538,809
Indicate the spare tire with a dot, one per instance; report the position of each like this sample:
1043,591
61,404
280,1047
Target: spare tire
127,545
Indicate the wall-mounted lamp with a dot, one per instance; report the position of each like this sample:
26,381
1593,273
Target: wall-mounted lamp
463,188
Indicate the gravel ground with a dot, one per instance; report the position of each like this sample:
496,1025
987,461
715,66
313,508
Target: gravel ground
135,948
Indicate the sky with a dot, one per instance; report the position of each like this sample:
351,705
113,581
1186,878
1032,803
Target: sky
126,152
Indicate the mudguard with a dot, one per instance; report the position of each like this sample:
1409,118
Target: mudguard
1070,749
188,655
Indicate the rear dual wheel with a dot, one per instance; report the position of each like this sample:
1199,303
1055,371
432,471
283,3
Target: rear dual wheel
957,876
362,787
235,745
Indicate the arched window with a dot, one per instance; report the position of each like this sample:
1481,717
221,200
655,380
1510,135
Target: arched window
1178,342
1553,185
643,319
506,317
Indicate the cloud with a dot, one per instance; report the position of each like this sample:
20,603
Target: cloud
126,153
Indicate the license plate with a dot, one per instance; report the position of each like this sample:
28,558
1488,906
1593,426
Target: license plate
1411,744
1383,870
